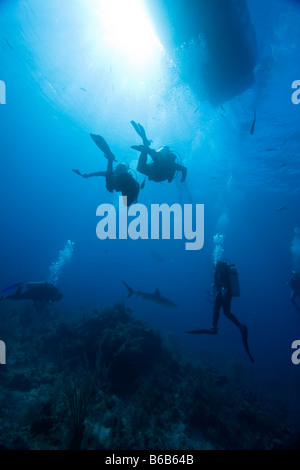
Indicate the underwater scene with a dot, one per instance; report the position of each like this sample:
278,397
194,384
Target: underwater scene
150,225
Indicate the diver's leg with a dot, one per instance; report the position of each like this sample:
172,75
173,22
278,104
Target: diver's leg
144,167
243,328
146,142
244,333
216,314
228,314
109,174
142,161
144,149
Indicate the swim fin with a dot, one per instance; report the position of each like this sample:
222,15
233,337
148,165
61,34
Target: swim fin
136,127
139,148
102,145
141,132
244,333
211,331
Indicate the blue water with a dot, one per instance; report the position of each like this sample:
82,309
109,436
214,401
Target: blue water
62,83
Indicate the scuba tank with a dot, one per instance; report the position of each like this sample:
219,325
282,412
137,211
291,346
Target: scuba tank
234,281
167,154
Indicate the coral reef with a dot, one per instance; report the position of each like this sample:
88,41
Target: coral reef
105,380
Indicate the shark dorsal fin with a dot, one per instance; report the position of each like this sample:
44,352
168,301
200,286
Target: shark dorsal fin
157,293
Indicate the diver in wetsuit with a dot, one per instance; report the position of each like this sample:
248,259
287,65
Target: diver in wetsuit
120,179
223,289
163,166
40,293
294,283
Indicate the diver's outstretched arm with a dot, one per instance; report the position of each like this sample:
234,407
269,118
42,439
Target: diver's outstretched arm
183,170
143,167
98,173
89,175
244,332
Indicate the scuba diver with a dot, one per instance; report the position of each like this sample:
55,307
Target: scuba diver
294,283
226,286
163,166
119,179
40,293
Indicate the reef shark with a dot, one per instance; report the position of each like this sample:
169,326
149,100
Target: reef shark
156,297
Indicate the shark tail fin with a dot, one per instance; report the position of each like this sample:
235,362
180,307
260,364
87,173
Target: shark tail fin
130,290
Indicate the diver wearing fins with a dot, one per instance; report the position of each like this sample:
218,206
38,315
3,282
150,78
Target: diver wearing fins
226,286
163,166
120,179
40,293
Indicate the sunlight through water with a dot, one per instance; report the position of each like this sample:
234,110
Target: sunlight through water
127,28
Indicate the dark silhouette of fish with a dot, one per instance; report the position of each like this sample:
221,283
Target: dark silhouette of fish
156,297
283,208
253,124
8,43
